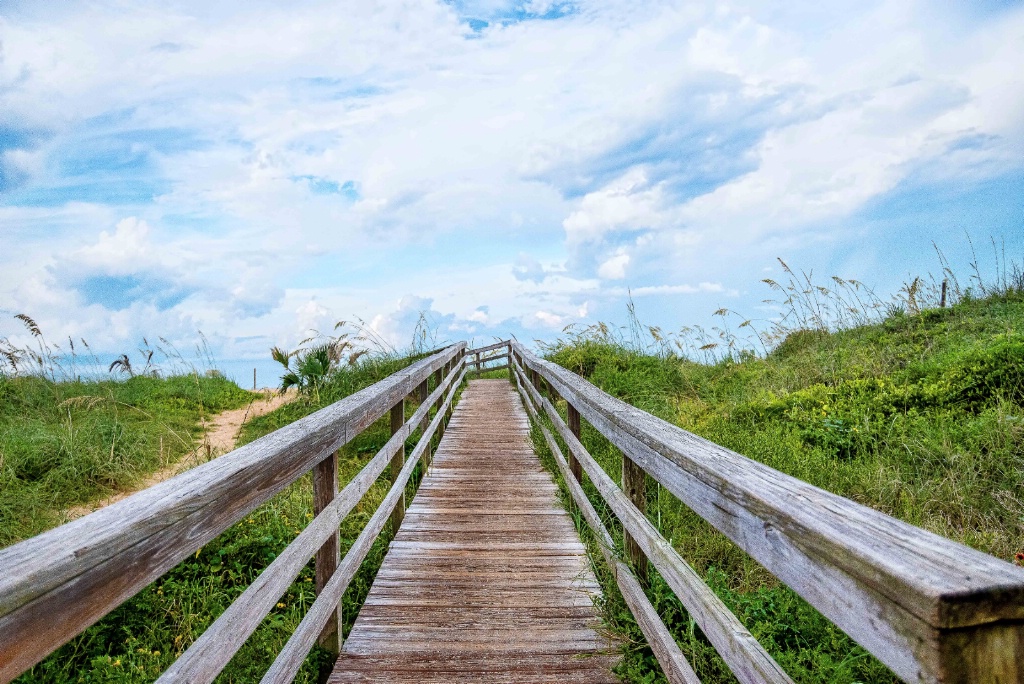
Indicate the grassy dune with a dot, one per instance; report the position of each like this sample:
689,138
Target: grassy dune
68,443
920,416
140,639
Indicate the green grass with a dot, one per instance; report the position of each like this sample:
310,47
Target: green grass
919,416
67,443
140,639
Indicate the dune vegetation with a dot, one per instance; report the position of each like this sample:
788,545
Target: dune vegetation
914,406
915,409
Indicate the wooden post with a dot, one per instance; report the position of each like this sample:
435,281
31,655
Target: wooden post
421,396
574,427
397,463
325,488
428,455
942,302
634,485
253,379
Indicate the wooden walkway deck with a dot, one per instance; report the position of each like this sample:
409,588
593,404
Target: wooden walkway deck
486,580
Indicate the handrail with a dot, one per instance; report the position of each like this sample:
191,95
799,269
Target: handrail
929,608
490,347
674,664
56,584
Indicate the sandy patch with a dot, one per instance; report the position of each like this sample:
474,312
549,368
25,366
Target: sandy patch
219,438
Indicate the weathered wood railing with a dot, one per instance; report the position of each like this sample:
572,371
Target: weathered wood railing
55,585
931,609
500,352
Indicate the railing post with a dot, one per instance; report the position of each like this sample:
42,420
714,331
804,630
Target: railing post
397,462
634,485
574,427
435,439
421,396
325,488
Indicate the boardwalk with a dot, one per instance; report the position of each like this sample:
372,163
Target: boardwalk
486,579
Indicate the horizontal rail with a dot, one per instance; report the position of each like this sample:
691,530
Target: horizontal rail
291,657
673,663
54,585
210,653
490,347
488,369
495,357
746,658
931,609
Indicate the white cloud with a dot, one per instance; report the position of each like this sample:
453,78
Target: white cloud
614,268
261,161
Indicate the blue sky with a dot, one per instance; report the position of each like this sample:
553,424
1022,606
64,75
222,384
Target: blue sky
257,169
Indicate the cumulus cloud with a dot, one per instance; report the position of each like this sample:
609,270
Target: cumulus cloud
234,167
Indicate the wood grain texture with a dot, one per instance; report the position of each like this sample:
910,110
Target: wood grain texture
291,657
325,489
746,658
490,347
634,486
397,462
56,584
486,580
208,655
903,593
673,663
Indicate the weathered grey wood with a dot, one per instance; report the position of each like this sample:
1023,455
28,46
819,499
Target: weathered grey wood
421,396
56,584
208,655
465,593
746,658
397,462
634,486
484,359
488,348
903,593
575,428
291,657
488,369
325,489
673,663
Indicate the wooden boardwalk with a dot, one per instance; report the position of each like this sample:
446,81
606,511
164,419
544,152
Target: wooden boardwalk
486,580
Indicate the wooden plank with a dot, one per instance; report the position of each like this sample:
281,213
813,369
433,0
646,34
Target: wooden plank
634,486
470,596
673,663
325,489
291,657
573,417
488,348
488,369
397,462
56,584
208,655
746,658
903,593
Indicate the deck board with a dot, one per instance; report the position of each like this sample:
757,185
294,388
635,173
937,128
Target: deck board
486,580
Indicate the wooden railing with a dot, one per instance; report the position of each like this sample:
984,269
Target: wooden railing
477,363
55,585
931,609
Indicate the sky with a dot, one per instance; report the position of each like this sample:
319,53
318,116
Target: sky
257,170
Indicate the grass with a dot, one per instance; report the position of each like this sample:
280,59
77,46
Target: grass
915,410
67,443
919,415
141,638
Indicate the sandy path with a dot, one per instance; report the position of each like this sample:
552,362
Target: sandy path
219,438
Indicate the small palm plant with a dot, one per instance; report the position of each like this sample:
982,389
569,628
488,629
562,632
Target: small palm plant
307,370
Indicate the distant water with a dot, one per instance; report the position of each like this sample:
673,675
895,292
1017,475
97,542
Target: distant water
268,371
